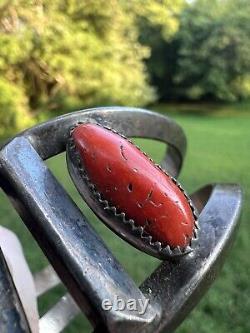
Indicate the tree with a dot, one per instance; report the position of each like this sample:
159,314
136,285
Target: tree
13,108
214,52
159,35
209,56
64,54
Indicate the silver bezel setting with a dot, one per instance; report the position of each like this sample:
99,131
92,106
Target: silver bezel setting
135,235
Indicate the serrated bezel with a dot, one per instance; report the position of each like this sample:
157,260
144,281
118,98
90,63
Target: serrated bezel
154,248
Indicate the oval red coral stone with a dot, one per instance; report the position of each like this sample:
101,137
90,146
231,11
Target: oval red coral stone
132,183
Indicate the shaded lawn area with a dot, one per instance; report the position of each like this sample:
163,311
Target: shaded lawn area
218,151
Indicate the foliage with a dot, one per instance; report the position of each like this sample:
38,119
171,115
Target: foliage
214,54
162,15
13,108
160,39
66,54
61,55
86,51
209,57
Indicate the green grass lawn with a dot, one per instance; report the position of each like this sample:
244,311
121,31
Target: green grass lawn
218,151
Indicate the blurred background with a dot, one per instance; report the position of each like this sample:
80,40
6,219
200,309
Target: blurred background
187,59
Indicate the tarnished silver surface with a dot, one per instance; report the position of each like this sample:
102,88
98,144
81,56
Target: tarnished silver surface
77,253
12,315
50,138
179,286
